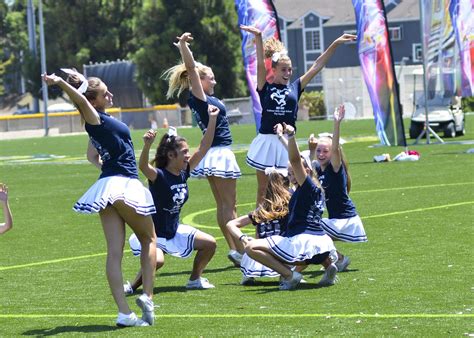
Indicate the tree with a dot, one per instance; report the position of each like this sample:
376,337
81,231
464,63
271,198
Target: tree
13,40
213,23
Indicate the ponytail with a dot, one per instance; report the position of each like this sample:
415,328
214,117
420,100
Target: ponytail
167,144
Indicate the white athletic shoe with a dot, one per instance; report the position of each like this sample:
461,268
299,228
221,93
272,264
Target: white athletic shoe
131,319
235,257
343,264
148,308
247,280
330,276
127,288
200,283
292,283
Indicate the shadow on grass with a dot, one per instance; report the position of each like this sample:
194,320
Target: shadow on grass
64,329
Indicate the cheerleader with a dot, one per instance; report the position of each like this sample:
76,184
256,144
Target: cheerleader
343,222
167,175
279,101
269,219
219,165
118,196
305,241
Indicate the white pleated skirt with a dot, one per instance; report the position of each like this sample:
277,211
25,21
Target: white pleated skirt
220,162
345,229
301,247
252,268
107,190
181,245
267,151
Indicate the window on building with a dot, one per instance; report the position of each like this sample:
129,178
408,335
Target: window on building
417,52
313,40
395,33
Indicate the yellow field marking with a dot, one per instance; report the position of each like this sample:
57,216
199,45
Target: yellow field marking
189,219
255,315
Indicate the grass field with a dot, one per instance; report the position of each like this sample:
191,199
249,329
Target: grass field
415,276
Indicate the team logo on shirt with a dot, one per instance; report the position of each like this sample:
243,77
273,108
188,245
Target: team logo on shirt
279,96
179,197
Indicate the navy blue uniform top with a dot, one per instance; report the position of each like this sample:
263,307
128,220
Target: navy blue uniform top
305,209
114,144
338,202
222,136
169,193
270,228
279,104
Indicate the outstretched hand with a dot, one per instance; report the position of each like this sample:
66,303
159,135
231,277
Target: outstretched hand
312,142
3,192
339,113
52,79
251,29
213,111
184,39
149,137
278,129
288,129
346,38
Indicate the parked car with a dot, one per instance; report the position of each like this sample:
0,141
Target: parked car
443,115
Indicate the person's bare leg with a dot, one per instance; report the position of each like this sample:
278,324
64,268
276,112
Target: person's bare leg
260,251
114,231
206,247
160,261
143,228
262,181
224,191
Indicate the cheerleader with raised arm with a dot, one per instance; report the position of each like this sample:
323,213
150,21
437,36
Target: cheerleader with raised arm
305,241
219,165
118,196
167,175
279,101
343,223
270,218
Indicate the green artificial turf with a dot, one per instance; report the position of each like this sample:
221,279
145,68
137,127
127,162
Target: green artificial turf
415,276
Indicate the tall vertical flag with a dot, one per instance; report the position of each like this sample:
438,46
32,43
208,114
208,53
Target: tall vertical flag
462,18
260,14
377,67
438,49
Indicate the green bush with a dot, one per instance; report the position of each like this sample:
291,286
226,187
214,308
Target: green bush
314,101
467,104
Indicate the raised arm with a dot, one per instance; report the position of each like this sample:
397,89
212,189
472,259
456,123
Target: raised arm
261,70
336,156
190,64
144,162
324,58
87,111
294,155
206,141
312,145
7,214
278,130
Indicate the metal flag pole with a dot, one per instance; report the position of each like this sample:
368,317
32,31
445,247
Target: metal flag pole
427,129
44,87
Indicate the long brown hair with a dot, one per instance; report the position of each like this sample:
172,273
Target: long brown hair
275,203
167,144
